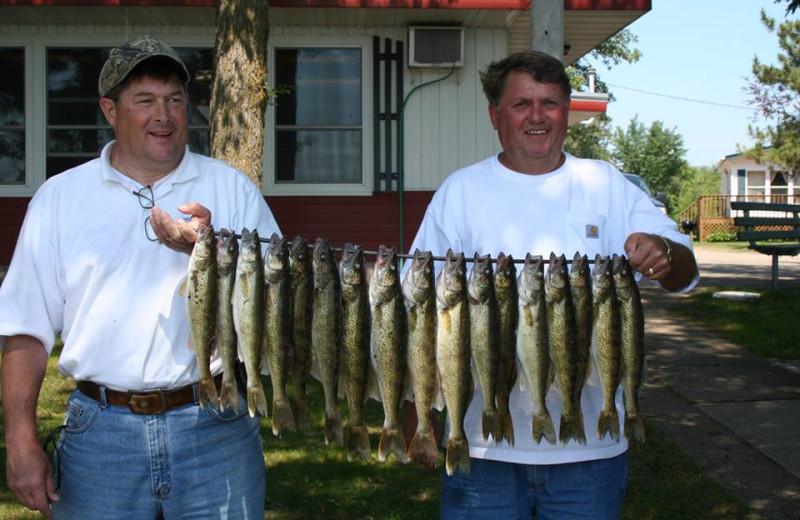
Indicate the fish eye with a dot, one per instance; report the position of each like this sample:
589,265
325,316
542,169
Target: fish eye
357,266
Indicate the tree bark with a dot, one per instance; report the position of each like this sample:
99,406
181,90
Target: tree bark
239,95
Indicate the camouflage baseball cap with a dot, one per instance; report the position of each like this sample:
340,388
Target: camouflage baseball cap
125,58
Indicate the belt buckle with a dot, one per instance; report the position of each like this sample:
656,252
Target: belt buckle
147,403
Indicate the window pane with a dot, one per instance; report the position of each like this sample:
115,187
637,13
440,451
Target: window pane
325,86
12,116
329,156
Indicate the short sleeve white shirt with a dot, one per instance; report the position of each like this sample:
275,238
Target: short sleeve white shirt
84,267
584,206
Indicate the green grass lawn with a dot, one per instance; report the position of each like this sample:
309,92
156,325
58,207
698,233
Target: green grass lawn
308,480
767,326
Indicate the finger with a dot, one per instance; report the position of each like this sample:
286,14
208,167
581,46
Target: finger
196,211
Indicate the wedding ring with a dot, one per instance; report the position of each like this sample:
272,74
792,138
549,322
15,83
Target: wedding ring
650,272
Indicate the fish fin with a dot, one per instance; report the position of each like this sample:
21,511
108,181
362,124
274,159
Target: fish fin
207,392
506,427
358,442
333,429
608,423
634,427
543,428
457,456
392,442
491,425
256,400
183,287
571,427
303,415
282,417
229,395
423,449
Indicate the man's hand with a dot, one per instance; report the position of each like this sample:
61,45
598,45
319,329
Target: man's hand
30,477
27,468
648,254
180,235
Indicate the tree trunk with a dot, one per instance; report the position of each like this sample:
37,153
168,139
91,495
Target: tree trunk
239,96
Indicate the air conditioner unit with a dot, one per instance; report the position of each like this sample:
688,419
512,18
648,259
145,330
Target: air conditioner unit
435,47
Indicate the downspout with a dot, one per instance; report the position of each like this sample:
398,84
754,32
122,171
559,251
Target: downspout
400,153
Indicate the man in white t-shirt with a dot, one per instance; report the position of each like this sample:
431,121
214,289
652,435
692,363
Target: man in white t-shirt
535,198
100,260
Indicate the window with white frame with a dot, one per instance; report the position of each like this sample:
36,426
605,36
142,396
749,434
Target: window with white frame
77,129
12,117
318,135
756,182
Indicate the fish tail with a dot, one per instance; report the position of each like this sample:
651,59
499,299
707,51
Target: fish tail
229,396
282,417
608,423
543,428
333,428
207,390
392,442
571,427
457,456
491,425
634,427
423,449
506,427
303,415
256,400
358,442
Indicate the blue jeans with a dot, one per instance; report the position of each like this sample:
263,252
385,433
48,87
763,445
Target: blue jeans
504,491
188,463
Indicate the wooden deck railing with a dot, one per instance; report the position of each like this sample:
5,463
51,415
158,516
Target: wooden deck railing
713,213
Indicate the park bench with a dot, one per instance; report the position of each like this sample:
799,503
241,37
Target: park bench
772,221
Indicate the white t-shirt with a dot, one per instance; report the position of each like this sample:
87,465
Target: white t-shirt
584,206
84,267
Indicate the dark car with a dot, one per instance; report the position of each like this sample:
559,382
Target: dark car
658,199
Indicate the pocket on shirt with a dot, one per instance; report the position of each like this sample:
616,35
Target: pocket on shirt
588,232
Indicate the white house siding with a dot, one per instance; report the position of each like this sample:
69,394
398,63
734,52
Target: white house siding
449,121
446,124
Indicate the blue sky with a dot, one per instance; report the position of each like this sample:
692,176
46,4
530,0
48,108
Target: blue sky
701,51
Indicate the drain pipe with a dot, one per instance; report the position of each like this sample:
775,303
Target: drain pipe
400,153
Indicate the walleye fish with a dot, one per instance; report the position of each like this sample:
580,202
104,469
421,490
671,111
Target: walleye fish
532,345
505,289
355,346
302,284
606,350
484,339
563,352
278,330
453,356
227,256
249,308
325,338
580,285
419,290
201,304
388,349
632,332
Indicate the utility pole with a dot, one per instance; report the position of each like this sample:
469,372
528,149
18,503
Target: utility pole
547,27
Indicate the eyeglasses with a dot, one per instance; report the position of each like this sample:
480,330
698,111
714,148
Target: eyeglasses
147,201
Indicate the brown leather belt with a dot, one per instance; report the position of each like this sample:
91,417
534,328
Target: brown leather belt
144,402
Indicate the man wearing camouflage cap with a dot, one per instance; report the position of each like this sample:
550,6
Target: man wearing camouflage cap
91,265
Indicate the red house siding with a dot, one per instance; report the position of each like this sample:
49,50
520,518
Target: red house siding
368,221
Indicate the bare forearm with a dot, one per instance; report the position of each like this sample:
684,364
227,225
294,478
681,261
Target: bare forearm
684,269
21,376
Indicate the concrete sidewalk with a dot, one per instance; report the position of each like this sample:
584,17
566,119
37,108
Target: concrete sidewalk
737,415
